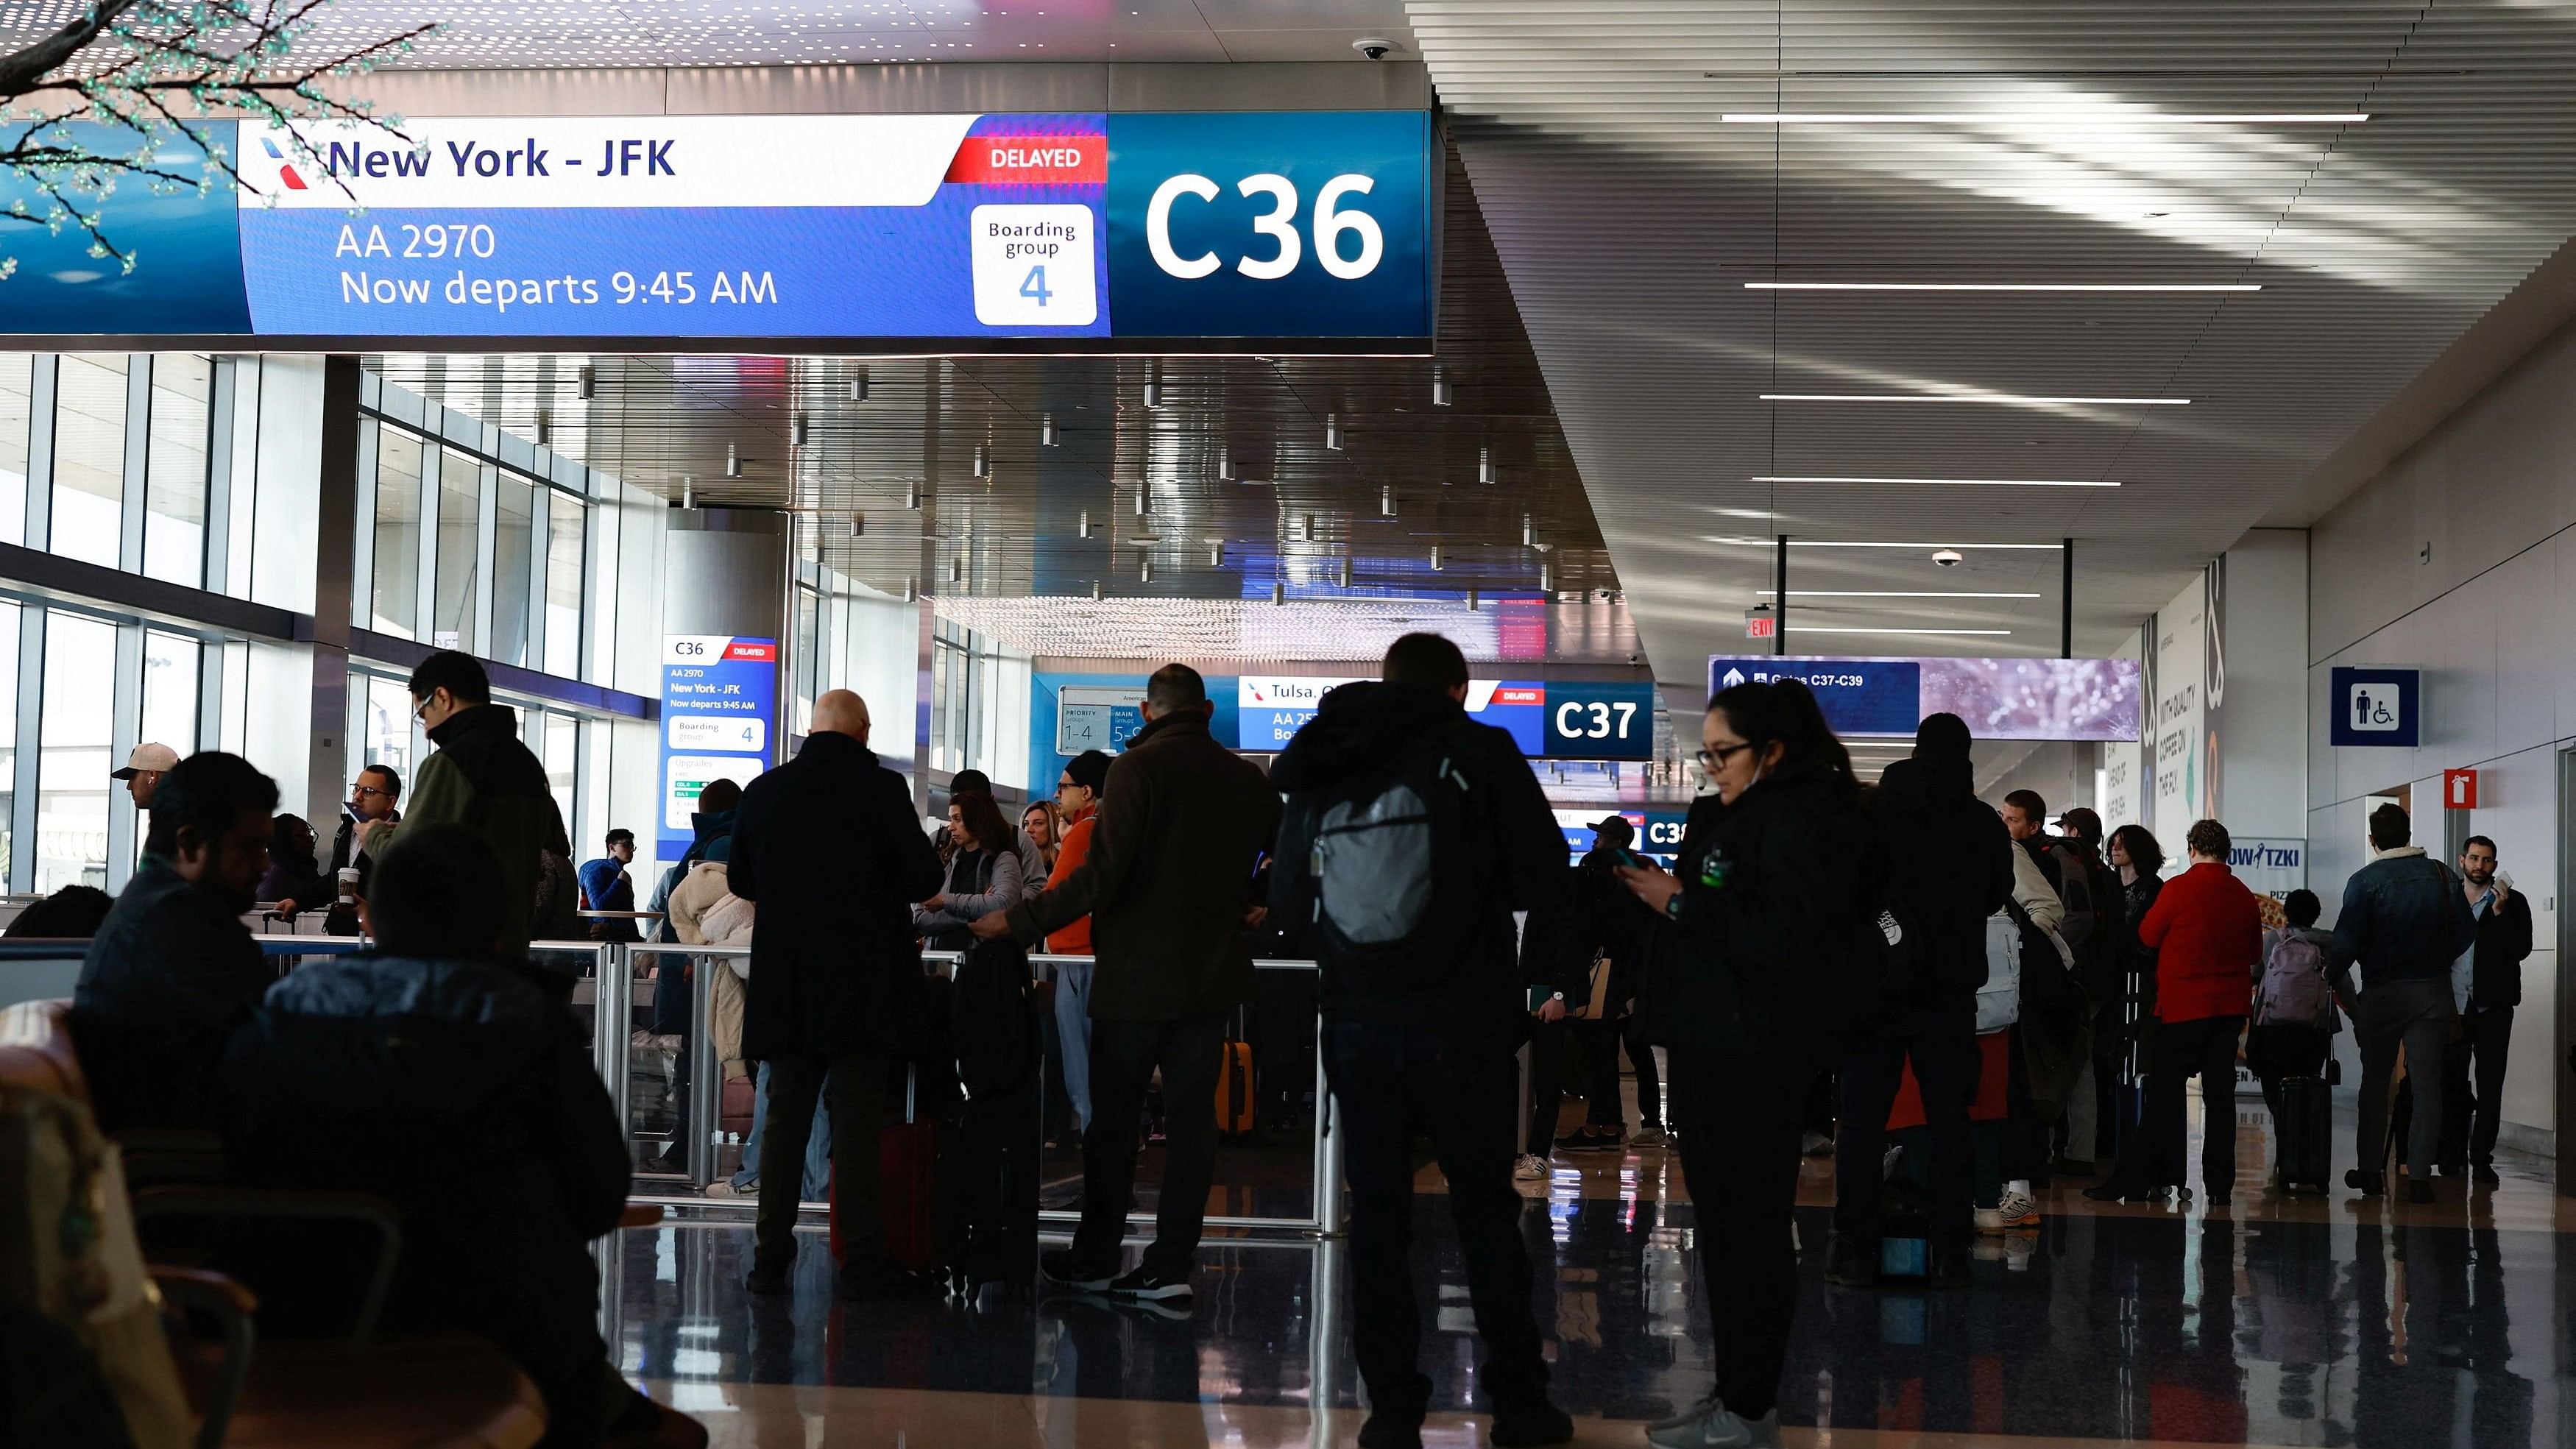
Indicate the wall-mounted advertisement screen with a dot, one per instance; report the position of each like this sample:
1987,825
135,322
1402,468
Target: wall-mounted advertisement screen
2001,699
708,231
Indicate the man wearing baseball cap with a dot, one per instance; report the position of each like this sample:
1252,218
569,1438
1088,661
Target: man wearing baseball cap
143,771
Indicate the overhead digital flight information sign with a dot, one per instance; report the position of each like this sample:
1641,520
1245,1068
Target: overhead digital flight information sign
960,229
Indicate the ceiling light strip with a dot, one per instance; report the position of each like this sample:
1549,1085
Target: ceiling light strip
2092,118
1981,633
1889,594
2003,286
1970,397
1860,543
1946,482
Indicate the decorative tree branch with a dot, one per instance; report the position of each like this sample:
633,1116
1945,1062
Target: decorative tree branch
137,70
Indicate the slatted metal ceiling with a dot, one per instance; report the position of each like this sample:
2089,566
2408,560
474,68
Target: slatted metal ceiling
656,421
1629,215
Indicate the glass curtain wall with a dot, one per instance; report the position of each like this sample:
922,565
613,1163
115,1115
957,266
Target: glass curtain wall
73,752
89,458
396,609
8,738
175,468
170,665
17,399
460,498
514,537
566,527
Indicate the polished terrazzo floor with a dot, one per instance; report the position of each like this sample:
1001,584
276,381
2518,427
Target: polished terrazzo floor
2303,1321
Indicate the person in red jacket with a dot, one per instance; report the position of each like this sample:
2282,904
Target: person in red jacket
2207,933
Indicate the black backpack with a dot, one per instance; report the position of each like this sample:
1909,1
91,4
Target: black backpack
1383,865
993,1019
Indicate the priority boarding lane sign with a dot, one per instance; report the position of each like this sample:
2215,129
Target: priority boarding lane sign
2381,707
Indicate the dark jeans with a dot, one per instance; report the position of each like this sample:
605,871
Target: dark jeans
2473,1086
1547,1043
1601,1104
1943,1048
858,1084
1743,1117
2207,1048
2416,1013
1124,1055
1387,1081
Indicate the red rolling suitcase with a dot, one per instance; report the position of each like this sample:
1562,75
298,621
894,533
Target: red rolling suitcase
907,1189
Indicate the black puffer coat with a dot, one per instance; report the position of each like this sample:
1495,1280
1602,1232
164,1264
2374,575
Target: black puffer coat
1779,900
1957,869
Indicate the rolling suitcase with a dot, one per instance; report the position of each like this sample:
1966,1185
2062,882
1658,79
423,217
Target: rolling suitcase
2307,1133
988,1171
907,1190
1235,1113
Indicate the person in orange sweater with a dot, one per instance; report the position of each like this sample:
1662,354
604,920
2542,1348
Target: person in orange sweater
1077,794
2207,932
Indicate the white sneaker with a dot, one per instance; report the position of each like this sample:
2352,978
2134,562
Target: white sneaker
2015,1211
723,1187
1647,1137
1530,1168
1712,1425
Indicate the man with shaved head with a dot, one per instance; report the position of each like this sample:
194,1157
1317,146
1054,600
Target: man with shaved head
829,847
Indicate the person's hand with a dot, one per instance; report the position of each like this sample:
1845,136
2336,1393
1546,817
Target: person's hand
1651,884
991,927
1552,1010
937,902
1253,916
286,910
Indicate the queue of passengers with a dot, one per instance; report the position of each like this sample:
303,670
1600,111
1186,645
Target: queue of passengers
1812,930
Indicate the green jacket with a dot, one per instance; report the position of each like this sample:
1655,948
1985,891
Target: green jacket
484,779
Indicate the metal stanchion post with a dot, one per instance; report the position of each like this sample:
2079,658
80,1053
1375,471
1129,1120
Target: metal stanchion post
1328,1147
613,1018
706,1075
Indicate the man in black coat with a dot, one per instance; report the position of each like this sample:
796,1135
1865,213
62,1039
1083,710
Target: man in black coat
172,971
2471,1121
830,848
1951,867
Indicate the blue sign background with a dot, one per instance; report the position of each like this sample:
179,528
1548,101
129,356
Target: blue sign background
1391,148
732,688
1859,696
1624,713
2393,699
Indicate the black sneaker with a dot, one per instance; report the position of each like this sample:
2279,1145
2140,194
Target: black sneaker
1586,1140
2368,1184
1529,1423
1146,1285
1389,1430
767,1280
2484,1175
1063,1269
890,1282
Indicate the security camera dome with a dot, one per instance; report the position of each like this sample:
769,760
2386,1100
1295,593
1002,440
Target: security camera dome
1949,558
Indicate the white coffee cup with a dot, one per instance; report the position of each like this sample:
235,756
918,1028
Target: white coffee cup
348,885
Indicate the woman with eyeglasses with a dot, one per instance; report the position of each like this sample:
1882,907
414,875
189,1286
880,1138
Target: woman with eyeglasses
1747,986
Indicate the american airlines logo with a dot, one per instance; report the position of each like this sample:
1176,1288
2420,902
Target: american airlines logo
285,169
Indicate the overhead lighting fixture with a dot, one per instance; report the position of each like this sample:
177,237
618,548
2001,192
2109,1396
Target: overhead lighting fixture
545,428
1154,386
1310,528
982,464
1546,577
1216,555
1484,465
2089,118
1861,543
800,431
2003,286
911,590
1333,432
587,383
1224,466
1944,482
1471,601
1435,558
1386,500
1981,633
688,493
858,525
1890,594
1145,569
1971,397
733,462
1083,527
1529,531
1046,430
1441,393
957,569
859,386
1278,593
1098,591
1144,498
1346,572
912,495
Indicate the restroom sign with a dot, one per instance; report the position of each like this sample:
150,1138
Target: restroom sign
2459,789
2376,707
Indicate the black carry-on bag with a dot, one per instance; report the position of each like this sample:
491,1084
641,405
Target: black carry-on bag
988,1141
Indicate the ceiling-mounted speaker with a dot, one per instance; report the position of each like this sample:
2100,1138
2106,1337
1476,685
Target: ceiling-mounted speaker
800,431
1154,386
1216,555
912,495
859,386
1082,527
1346,573
587,382
1310,528
858,525
911,590
1440,391
1098,592
1484,465
545,428
1144,498
1145,569
1386,501
982,464
733,462
1435,558
1224,466
1547,578
1529,531
1471,601
1046,430
688,493
1333,432
1278,592
957,569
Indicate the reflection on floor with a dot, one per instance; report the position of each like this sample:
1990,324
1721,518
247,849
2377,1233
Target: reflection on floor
2310,1320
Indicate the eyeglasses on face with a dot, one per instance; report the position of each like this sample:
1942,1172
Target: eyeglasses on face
1716,759
360,787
